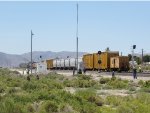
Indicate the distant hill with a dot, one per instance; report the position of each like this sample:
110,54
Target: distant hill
12,60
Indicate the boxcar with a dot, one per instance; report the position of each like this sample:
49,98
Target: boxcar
49,63
120,63
105,60
62,62
88,61
67,63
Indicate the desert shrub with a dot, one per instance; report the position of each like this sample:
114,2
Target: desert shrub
42,95
105,86
133,84
132,88
31,86
86,94
104,80
49,76
105,109
145,89
2,88
82,83
143,98
147,84
24,98
30,109
64,108
84,77
68,83
54,76
14,82
114,100
124,109
141,82
57,85
12,90
9,79
79,83
9,106
118,84
96,99
97,86
5,72
113,78
50,106
89,108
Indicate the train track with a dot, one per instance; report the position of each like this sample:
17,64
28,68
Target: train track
107,73
121,73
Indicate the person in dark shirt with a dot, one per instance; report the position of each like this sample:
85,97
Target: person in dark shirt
134,74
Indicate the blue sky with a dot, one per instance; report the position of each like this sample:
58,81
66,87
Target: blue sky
117,25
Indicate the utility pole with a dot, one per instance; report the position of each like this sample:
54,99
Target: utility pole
142,56
31,50
77,40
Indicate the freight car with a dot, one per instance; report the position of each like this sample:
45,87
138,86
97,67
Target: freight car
119,63
49,64
90,61
63,63
104,57
109,60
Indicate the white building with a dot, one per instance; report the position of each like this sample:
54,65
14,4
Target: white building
41,67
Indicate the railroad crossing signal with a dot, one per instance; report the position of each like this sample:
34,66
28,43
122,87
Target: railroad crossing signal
99,52
134,46
99,61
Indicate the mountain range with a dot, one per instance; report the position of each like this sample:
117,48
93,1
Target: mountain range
13,60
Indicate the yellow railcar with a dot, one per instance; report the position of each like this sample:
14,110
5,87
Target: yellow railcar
104,57
120,63
88,61
49,63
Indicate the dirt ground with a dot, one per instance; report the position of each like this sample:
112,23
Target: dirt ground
97,76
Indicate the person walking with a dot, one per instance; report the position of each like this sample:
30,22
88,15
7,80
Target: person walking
113,74
84,71
73,71
134,74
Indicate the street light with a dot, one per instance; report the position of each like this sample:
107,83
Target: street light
31,50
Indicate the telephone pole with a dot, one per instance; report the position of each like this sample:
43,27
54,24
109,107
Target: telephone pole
31,50
77,40
142,56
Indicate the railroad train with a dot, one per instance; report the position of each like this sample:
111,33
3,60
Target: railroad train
107,61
